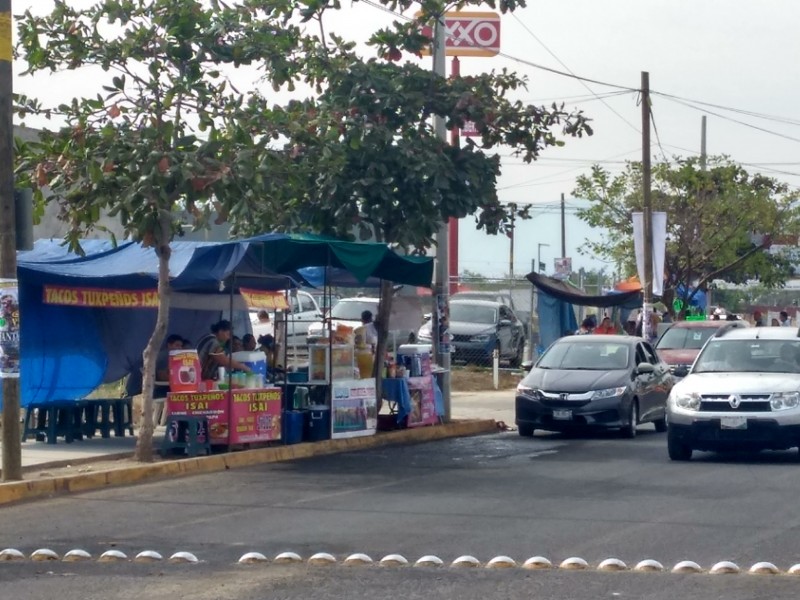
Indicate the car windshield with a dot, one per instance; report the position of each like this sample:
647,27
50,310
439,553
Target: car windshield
473,313
685,338
586,356
351,311
749,356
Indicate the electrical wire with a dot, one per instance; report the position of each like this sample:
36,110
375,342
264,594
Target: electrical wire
658,137
571,72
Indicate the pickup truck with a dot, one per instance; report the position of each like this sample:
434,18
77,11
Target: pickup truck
304,310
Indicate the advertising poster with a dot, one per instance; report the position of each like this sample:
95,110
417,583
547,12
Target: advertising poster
355,409
9,329
423,404
256,416
211,405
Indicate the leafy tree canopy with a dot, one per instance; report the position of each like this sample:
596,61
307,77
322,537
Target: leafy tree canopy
721,220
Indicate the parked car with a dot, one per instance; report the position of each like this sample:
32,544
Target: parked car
347,311
497,296
304,311
478,327
605,381
680,344
742,393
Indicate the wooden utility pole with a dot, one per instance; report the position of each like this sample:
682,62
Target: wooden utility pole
12,449
647,216
563,228
703,143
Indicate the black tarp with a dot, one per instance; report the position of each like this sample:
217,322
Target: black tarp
569,293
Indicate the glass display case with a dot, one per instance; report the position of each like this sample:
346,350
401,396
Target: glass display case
342,363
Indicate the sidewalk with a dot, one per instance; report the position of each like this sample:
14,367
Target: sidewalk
497,405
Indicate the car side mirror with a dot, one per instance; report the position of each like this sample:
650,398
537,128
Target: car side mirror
527,365
645,368
504,323
681,371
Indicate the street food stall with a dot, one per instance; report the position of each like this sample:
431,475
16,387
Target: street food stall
86,320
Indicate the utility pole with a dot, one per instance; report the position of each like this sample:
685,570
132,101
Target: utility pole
647,212
511,250
441,297
703,143
452,225
12,450
563,228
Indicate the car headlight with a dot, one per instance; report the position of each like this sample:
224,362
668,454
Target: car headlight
608,393
785,401
481,338
526,390
687,400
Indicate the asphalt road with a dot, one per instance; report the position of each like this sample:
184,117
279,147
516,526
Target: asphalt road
554,496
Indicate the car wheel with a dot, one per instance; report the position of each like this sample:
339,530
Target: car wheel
677,449
525,430
516,360
629,431
661,425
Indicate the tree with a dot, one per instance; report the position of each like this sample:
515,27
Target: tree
155,140
360,153
366,153
721,221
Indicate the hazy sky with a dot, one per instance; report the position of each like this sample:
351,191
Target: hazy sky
732,53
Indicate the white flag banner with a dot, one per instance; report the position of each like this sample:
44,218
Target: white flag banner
659,229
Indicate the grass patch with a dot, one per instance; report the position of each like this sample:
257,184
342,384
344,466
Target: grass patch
479,379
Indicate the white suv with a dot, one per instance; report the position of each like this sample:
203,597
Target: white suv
742,393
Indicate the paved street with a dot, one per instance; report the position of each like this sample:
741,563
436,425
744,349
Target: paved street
555,496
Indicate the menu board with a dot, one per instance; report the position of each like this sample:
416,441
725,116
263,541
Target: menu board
211,405
256,416
354,408
245,417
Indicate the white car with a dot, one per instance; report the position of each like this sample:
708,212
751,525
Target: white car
742,393
347,311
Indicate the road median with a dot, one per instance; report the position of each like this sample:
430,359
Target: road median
44,487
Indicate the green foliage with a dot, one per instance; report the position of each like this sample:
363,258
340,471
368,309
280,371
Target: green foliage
720,221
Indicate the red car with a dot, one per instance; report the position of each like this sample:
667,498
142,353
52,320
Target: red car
679,345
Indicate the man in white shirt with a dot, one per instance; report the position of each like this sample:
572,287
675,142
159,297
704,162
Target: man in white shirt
370,331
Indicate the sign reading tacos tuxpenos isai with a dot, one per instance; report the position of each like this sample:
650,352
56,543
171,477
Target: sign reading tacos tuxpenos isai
100,298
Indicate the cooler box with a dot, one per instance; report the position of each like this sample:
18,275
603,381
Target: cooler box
257,361
293,424
318,424
416,358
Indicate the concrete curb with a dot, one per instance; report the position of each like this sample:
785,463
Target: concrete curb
19,491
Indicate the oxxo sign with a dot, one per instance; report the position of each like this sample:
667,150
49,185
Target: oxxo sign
469,34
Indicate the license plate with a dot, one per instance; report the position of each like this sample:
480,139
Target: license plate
733,423
562,415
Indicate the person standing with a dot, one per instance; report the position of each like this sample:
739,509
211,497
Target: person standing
606,327
758,319
785,321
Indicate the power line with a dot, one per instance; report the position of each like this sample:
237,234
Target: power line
727,118
571,72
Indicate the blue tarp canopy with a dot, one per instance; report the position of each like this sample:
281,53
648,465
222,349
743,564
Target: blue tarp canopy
67,351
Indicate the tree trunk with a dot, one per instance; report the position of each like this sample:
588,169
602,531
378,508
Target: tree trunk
144,443
382,325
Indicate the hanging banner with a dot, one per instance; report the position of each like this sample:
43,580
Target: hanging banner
100,298
659,233
266,300
9,329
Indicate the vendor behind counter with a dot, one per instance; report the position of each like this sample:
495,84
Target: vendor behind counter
211,352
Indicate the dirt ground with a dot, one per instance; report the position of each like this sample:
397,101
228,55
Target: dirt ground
474,379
